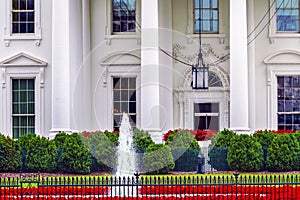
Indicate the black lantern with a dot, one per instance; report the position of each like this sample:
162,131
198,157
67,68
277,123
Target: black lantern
200,77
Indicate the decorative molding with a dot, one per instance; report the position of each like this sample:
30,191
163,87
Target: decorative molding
22,59
3,77
284,57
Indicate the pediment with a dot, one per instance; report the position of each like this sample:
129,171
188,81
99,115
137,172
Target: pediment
121,58
284,57
23,59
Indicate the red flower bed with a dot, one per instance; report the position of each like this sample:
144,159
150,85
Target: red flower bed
276,132
199,135
227,192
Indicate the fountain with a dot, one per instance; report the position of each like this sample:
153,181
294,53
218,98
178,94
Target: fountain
126,160
126,155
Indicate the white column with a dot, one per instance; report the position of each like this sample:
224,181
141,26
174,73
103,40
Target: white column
61,120
150,100
86,63
251,64
239,107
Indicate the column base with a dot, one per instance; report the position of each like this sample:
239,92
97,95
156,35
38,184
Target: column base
241,130
156,135
55,131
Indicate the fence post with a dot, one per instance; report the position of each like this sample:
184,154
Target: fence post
137,176
236,175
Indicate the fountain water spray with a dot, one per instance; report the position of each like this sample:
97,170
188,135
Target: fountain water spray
126,171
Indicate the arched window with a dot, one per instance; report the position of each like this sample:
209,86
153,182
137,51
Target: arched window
214,80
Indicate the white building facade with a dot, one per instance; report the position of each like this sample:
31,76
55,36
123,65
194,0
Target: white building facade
77,65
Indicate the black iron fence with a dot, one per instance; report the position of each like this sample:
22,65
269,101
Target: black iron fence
214,187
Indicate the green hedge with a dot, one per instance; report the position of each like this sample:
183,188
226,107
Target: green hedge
102,150
39,153
10,157
218,149
283,153
187,159
75,156
245,154
185,150
158,159
218,158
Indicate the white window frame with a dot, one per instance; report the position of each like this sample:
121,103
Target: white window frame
205,97
190,26
210,114
110,35
283,63
125,75
9,36
10,71
18,115
273,34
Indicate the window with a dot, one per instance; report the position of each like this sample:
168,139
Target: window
206,116
123,16
124,100
287,15
206,16
23,16
288,97
23,107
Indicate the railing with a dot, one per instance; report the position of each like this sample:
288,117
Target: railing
227,187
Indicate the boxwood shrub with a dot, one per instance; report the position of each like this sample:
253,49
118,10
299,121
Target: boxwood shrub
218,149
75,156
10,157
283,153
158,159
185,150
39,153
245,154
102,150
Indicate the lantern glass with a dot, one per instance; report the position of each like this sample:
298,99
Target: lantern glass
200,78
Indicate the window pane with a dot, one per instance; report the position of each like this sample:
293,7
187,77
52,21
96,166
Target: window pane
15,109
23,16
15,28
117,83
22,4
124,95
132,107
30,121
124,83
15,5
124,107
117,95
30,16
31,108
30,4
16,17
15,96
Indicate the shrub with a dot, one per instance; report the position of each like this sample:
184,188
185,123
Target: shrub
142,139
10,157
283,153
264,137
102,150
75,157
245,154
39,153
185,150
218,149
158,159
113,137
